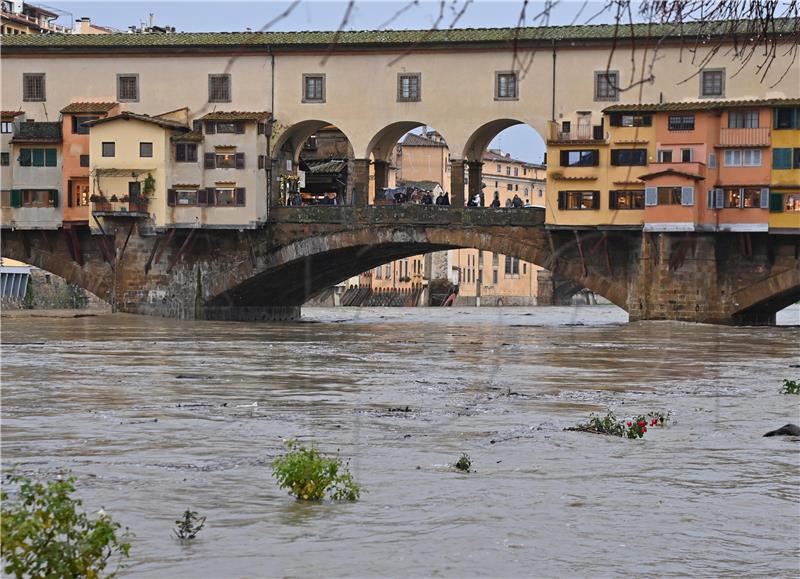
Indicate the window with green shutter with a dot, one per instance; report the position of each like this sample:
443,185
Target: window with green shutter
16,198
54,196
50,157
781,158
776,202
38,157
24,157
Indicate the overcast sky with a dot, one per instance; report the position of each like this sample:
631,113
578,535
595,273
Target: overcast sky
193,16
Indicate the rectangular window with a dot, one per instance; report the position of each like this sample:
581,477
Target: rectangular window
313,88
5,198
109,149
186,152
511,266
38,158
743,120
33,87
219,88
225,160
84,160
664,156
732,198
145,149
626,199
681,123
186,197
566,127
751,199
408,86
628,157
505,85
39,198
516,171
128,87
6,128
786,117
742,158
791,201
226,127
584,158
228,197
712,82
5,159
578,200
686,155
669,195
630,120
606,86
712,160
78,128
508,170
499,170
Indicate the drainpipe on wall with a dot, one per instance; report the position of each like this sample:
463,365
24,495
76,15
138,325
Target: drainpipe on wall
553,109
271,122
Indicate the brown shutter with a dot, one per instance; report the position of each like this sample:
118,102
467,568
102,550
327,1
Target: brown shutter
202,197
211,127
612,199
565,158
239,127
171,197
209,161
197,126
211,196
595,199
240,160
562,199
240,191
69,193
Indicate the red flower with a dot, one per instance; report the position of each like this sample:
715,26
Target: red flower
642,423
629,423
644,429
654,422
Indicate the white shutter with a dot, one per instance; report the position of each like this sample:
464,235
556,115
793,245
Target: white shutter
687,195
765,198
719,197
650,196
712,160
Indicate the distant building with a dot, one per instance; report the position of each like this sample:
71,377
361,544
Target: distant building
22,18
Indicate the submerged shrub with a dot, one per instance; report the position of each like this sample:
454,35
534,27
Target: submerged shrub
464,463
309,476
45,533
188,527
790,387
635,427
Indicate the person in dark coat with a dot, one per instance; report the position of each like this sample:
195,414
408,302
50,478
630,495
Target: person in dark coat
496,200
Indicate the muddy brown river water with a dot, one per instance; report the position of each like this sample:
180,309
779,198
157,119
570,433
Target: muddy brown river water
154,416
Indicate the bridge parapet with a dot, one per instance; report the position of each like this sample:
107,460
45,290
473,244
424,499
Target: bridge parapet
409,215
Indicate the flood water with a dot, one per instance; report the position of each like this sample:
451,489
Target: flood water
154,416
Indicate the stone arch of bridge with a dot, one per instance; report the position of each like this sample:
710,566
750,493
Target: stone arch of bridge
294,137
477,143
300,270
761,300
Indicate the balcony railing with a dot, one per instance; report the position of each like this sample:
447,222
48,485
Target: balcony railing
41,23
578,133
753,137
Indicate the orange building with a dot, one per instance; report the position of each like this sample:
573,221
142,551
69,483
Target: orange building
75,176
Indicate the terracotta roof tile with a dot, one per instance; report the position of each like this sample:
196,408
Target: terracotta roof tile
86,107
706,105
11,114
236,116
127,116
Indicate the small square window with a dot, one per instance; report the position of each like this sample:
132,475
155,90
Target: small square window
506,86
145,149
408,87
109,149
606,86
5,159
219,88
313,88
665,156
84,159
33,87
7,127
712,83
128,88
686,155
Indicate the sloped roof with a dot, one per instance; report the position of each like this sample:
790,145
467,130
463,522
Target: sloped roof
414,140
421,185
190,136
705,105
128,116
37,133
491,155
86,107
11,114
371,38
671,171
332,166
236,116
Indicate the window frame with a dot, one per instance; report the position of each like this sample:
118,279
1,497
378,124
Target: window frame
579,198
673,193
7,125
598,74
81,158
412,98
595,157
186,147
125,75
703,73
229,86
5,159
675,125
746,117
323,89
742,153
142,148
500,74
616,153
633,197
103,150
26,97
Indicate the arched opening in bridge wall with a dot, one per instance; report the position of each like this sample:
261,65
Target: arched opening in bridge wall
24,286
313,163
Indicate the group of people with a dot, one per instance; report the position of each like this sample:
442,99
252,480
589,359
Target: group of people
515,202
295,199
416,196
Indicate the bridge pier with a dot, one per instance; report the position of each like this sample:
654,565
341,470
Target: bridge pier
360,183
475,169
457,182
381,177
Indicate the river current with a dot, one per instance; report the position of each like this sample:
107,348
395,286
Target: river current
154,416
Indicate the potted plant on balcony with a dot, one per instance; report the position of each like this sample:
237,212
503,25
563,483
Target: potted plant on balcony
100,203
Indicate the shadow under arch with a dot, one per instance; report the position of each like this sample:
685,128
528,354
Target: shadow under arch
480,138
382,144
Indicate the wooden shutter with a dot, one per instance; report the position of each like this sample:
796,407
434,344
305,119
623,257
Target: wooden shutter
562,199
209,161
69,193
202,197
781,158
775,202
650,196
615,119
240,198
171,197
595,199
211,196
612,199
741,197
565,158
16,198
719,198
598,133
211,127
687,195
239,127
647,120
240,160
53,197
765,198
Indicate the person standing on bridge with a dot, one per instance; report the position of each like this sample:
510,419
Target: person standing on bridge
516,202
496,200
446,198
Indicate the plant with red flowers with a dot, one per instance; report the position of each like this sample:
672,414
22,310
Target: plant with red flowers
631,428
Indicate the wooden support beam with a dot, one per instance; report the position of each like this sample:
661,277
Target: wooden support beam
47,240
607,254
152,254
74,245
552,261
165,244
127,238
107,252
184,248
580,252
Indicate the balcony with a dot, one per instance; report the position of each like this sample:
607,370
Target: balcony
41,23
577,134
753,137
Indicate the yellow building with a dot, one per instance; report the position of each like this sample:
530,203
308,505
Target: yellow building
23,18
784,202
